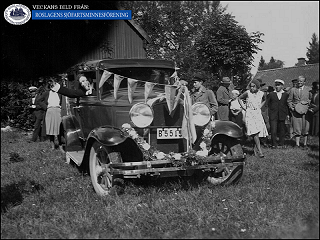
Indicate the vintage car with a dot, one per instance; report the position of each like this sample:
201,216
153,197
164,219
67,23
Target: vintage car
128,129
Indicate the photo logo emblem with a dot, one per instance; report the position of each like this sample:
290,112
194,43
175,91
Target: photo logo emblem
17,14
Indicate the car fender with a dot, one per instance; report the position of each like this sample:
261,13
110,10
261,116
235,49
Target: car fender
106,135
227,128
72,133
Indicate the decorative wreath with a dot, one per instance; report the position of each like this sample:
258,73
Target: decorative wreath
189,158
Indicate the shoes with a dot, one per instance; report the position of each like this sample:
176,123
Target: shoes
296,146
56,142
273,147
61,149
305,147
257,153
282,146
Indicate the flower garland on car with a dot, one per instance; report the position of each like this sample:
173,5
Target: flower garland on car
190,158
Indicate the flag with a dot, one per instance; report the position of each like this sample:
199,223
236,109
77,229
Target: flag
132,84
147,90
188,128
177,98
105,76
116,83
170,92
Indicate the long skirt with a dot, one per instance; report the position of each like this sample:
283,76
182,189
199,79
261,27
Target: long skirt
53,120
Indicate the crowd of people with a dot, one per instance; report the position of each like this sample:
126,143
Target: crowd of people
265,114
46,111
46,104
268,115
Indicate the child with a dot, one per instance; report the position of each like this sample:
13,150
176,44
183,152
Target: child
236,115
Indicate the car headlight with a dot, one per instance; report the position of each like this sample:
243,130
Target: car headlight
201,114
141,115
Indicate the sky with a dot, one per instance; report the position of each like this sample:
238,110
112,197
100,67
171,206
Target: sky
287,27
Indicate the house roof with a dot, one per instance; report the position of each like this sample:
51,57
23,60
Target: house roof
310,71
140,30
137,27
123,63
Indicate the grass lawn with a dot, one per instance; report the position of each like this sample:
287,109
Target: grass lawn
43,197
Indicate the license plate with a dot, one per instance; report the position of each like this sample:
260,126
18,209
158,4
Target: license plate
169,133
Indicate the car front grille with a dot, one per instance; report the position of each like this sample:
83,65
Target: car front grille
162,119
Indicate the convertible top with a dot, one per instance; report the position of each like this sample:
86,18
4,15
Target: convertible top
107,64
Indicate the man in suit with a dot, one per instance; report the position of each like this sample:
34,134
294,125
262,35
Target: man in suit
38,111
201,94
278,111
298,101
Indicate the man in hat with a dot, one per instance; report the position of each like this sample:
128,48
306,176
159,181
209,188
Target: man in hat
224,97
38,111
201,94
299,101
278,111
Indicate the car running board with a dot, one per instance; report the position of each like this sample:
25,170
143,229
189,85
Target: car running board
75,156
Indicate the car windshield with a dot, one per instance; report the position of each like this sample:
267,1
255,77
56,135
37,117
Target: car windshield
143,75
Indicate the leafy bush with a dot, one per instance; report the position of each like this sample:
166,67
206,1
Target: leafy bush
15,101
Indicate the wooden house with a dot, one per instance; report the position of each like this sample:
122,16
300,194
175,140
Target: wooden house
123,39
310,71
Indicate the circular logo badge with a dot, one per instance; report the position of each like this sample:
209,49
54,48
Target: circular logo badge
17,14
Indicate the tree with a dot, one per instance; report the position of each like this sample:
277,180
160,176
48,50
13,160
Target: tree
313,50
262,63
272,64
183,33
226,47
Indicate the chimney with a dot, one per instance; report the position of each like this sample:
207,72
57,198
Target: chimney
301,62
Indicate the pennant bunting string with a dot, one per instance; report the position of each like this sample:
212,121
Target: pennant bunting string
132,84
105,76
147,90
170,92
116,83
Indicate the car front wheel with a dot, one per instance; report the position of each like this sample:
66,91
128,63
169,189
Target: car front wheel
99,166
227,147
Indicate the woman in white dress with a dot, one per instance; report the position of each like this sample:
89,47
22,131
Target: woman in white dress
254,122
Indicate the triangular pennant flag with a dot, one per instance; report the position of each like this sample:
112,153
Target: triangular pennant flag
174,74
105,76
170,92
188,128
177,98
147,90
116,83
132,84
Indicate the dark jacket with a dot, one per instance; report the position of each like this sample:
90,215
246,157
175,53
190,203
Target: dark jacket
207,97
223,96
295,98
72,93
40,110
277,109
43,100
